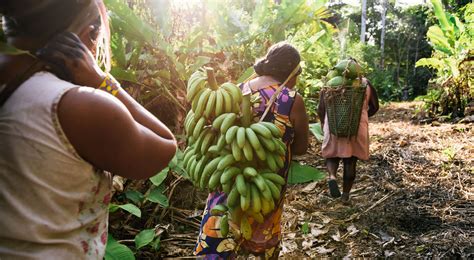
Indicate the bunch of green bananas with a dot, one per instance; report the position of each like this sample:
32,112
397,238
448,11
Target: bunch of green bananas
209,99
345,73
227,152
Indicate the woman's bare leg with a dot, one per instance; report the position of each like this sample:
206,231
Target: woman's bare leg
349,176
332,164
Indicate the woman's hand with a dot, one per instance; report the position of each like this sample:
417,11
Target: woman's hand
70,60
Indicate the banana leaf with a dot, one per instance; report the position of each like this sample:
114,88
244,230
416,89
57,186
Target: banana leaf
304,173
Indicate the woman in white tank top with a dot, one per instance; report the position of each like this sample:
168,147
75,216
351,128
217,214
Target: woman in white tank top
64,124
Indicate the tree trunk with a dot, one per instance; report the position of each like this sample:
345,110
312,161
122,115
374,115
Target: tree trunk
382,35
416,55
363,21
399,60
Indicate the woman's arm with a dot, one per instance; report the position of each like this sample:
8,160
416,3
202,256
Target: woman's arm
321,108
373,100
299,119
104,133
66,51
113,133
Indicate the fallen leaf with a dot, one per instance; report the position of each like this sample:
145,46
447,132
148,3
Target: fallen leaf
336,237
323,250
317,232
352,230
307,244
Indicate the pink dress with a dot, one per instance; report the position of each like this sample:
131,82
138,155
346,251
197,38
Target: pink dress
346,147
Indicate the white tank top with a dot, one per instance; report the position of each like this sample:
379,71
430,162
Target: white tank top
53,204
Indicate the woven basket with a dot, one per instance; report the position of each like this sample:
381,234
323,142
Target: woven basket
344,107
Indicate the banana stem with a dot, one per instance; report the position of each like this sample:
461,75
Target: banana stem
246,111
211,79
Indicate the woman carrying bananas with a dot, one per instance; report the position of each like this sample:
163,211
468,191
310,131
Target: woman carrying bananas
64,125
349,149
275,101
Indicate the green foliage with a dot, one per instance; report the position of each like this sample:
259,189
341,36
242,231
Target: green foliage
116,251
144,238
304,173
453,42
130,208
317,131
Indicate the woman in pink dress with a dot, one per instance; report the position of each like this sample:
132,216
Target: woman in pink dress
349,149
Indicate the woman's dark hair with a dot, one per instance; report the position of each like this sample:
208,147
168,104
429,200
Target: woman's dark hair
39,18
281,59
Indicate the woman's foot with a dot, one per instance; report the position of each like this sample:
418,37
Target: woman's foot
345,198
333,189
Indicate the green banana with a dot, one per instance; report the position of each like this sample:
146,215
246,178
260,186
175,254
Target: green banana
224,226
241,137
229,174
226,160
261,130
248,152
199,127
202,102
271,163
241,184
230,134
233,198
187,155
274,177
245,228
227,188
236,151
279,160
261,154
219,103
221,142
213,149
191,166
255,194
273,128
216,124
250,172
266,206
211,105
260,182
245,201
207,141
197,171
228,122
194,103
214,181
193,91
189,127
219,210
234,91
280,146
227,102
252,138
268,143
207,171
273,189
199,141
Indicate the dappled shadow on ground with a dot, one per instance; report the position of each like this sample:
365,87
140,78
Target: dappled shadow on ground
413,198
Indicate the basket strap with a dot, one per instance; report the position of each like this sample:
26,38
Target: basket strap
277,92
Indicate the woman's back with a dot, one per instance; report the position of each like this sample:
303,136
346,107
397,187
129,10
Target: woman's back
54,197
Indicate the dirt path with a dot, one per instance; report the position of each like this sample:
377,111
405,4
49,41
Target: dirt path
413,198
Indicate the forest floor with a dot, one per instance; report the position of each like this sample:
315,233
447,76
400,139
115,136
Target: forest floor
413,198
